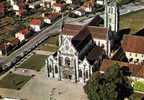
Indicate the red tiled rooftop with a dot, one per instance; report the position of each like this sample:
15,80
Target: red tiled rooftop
136,70
24,31
58,5
133,44
35,22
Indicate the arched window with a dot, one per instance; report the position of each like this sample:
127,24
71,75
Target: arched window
67,61
56,69
50,68
131,59
86,74
80,73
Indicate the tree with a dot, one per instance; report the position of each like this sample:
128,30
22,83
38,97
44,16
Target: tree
113,85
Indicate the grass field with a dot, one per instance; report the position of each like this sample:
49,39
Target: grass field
14,81
139,86
134,21
51,44
35,62
136,96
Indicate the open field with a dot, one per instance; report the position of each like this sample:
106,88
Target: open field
14,81
51,44
134,21
35,62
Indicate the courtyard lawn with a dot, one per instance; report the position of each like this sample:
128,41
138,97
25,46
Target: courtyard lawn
35,62
138,86
134,21
14,81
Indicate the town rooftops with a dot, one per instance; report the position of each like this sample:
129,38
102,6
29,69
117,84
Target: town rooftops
133,44
71,29
2,8
98,32
58,5
35,22
136,70
52,15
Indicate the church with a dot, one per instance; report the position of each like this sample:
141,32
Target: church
82,48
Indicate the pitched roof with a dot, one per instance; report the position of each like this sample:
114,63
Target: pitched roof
58,5
95,21
52,15
24,31
71,29
133,43
136,70
35,22
94,54
98,32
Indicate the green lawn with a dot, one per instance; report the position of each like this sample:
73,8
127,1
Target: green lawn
138,86
14,81
51,44
35,62
134,21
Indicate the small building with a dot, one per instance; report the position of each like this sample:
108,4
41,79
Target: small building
50,17
2,9
22,35
35,24
133,48
68,1
79,12
58,7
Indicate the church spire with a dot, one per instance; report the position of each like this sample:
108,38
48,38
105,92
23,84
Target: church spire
111,15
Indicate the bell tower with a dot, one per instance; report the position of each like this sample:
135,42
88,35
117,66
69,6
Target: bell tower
111,15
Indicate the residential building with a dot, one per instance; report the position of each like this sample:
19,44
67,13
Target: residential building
50,17
35,24
133,47
58,7
22,35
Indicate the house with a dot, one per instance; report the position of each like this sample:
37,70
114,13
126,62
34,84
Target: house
133,48
50,17
58,7
35,24
2,9
79,12
68,1
136,70
22,35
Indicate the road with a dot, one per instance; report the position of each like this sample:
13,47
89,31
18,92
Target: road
31,44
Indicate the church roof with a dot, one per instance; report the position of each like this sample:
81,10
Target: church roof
71,29
94,54
96,21
98,32
133,44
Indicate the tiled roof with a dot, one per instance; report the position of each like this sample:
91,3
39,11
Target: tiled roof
35,22
71,29
52,15
98,32
58,5
24,31
133,44
136,70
